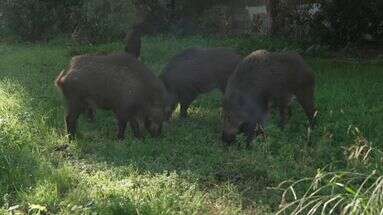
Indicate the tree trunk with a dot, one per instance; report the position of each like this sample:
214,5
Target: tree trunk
172,7
272,14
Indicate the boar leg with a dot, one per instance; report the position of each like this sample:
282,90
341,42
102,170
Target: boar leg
185,103
184,110
121,121
291,99
284,110
306,99
138,127
74,110
90,110
250,133
90,113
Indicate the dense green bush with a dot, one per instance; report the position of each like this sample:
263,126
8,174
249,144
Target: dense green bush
104,20
345,22
36,20
337,23
91,20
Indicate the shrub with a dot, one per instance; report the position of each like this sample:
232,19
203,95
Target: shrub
36,20
103,20
345,22
330,22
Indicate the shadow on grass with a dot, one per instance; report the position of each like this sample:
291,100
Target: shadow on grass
188,147
20,159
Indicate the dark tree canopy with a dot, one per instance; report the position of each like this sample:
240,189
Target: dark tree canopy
338,23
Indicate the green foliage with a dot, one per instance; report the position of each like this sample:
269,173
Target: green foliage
344,22
104,20
91,20
186,170
338,23
36,19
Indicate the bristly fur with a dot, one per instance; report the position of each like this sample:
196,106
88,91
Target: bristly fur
117,82
196,71
260,78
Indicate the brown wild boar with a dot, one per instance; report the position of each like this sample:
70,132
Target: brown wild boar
258,79
115,59
196,71
133,93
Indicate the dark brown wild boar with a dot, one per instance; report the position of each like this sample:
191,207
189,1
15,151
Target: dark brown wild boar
115,59
196,71
258,79
133,93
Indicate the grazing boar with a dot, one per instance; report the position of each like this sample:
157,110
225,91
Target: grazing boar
133,93
196,71
115,59
258,79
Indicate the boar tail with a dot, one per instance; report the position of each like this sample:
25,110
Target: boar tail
60,79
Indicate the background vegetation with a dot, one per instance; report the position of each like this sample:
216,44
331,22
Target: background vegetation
347,22
337,24
41,20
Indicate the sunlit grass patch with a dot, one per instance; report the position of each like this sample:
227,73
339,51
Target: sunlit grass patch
108,190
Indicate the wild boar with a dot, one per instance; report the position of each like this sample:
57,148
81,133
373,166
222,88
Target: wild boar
196,71
133,93
114,59
127,58
258,79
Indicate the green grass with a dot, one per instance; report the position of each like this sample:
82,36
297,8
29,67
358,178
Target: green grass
187,170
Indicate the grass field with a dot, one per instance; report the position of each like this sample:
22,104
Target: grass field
187,170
